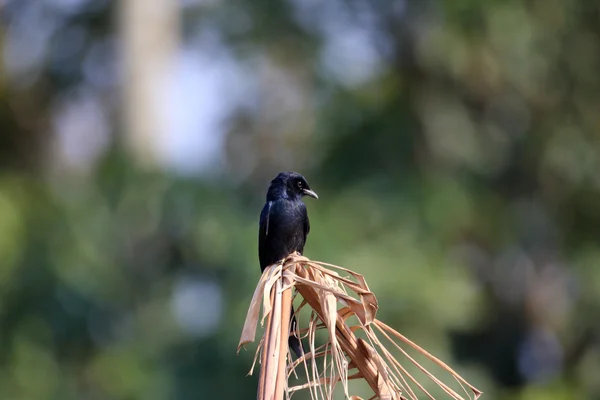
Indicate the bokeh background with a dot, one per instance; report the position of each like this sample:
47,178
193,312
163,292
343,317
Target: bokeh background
454,146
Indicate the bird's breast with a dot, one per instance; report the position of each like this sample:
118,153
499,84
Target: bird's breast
284,233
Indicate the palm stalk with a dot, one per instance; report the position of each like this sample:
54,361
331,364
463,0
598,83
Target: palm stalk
344,356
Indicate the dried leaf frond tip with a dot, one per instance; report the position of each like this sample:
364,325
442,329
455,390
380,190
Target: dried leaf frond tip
334,295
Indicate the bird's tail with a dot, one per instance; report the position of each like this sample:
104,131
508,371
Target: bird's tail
293,341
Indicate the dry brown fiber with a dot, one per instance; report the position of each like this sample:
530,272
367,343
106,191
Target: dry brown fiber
344,356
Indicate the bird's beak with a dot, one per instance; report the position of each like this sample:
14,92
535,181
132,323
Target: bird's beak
310,193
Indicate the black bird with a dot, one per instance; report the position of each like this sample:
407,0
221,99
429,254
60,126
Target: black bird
284,226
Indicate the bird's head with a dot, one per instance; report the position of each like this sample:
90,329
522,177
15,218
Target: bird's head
289,185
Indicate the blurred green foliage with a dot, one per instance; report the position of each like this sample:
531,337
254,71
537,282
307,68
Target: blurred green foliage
454,147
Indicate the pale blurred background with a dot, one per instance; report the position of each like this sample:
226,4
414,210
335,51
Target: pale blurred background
454,145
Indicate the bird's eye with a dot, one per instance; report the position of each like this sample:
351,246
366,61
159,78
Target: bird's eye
300,184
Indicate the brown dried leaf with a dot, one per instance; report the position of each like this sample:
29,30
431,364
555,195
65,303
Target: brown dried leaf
249,329
325,366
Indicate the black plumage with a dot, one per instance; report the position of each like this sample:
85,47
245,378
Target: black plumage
284,226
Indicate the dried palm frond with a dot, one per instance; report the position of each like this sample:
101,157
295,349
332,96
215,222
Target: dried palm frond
323,289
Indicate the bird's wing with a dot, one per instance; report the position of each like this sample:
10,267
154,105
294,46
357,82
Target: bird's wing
267,217
263,230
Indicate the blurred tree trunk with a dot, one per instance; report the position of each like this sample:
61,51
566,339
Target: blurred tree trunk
150,35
